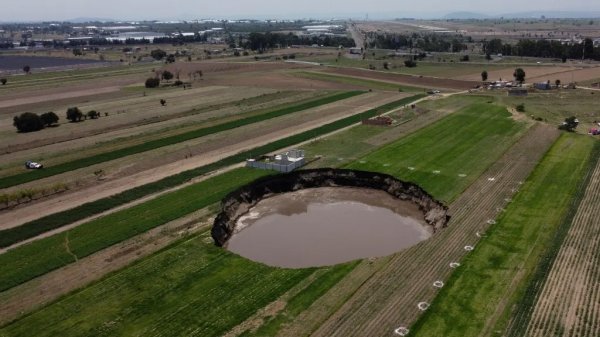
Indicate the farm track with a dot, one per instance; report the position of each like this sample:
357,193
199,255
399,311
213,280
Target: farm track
569,302
389,298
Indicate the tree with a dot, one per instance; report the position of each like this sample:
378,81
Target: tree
28,122
27,69
49,118
170,59
519,75
410,63
488,57
74,114
3,81
557,82
465,58
520,107
163,102
93,114
77,52
158,54
484,76
152,82
569,124
167,75
386,66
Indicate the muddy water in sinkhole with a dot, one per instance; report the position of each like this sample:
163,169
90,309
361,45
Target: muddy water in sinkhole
326,226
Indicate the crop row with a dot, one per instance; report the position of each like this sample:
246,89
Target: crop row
39,257
489,283
25,177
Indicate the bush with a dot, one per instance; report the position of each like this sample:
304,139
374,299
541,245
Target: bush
465,58
28,122
167,75
520,107
152,82
410,63
178,83
569,124
74,114
49,118
3,81
158,54
93,114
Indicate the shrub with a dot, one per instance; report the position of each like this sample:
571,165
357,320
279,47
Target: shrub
3,81
158,54
93,114
74,114
520,107
49,118
152,82
28,122
410,63
167,75
178,83
465,58
569,124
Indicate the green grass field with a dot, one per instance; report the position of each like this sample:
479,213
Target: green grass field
193,288
464,143
478,298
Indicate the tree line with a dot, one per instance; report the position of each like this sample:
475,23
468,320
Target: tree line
544,48
264,41
427,42
30,122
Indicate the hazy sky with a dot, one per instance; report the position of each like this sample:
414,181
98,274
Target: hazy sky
171,9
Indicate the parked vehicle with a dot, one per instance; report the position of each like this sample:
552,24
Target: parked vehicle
33,165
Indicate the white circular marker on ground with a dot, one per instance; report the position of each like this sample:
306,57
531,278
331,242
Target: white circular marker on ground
386,165
363,162
491,179
401,331
423,306
411,168
438,284
462,175
491,222
340,159
454,264
478,234
436,172
469,248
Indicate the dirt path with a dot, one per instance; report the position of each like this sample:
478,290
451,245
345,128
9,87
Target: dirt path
63,202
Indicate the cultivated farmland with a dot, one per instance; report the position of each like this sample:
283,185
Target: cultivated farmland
113,237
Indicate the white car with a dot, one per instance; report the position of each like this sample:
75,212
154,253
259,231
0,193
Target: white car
33,165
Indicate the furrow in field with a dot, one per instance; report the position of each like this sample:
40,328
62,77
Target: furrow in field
568,302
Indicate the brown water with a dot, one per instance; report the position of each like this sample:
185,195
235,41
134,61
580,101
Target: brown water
326,226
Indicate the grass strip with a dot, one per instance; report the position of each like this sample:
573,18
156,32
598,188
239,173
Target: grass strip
42,256
494,275
26,177
521,316
191,288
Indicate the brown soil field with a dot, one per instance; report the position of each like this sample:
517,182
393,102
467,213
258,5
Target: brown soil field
418,81
136,170
375,299
126,111
578,75
65,148
532,72
570,298
209,67
277,80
